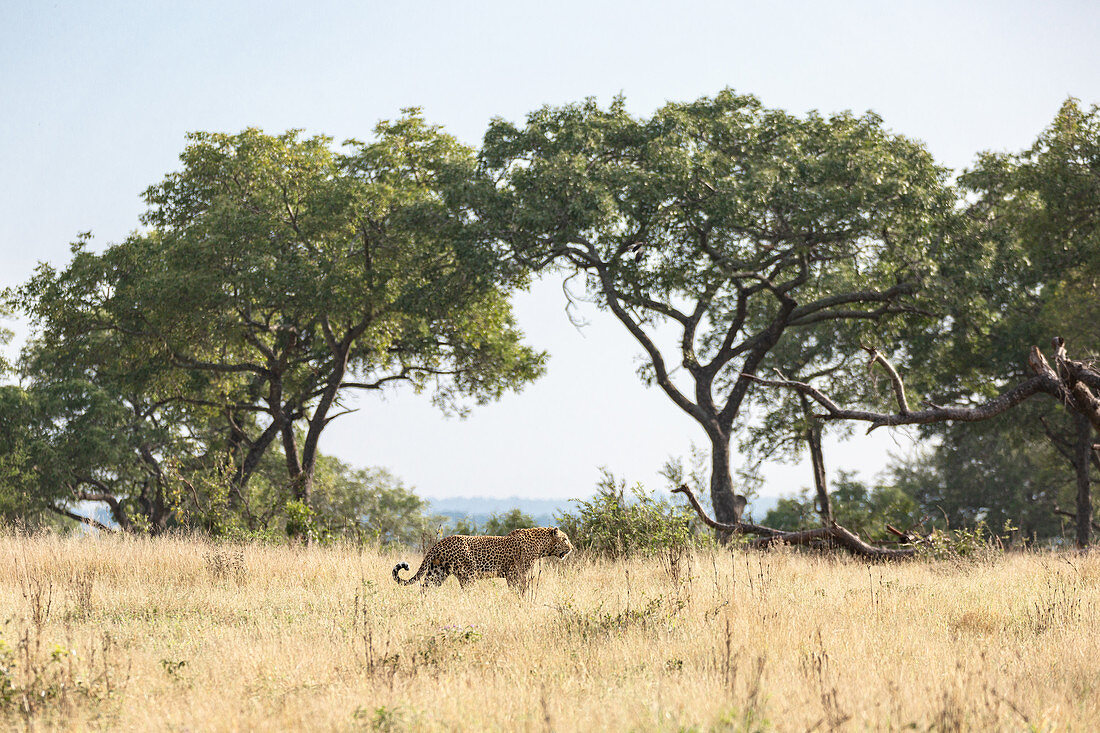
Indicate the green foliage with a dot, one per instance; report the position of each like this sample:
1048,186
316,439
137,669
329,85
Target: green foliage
19,499
1026,268
615,523
368,504
1034,274
300,520
993,473
498,523
465,525
504,522
274,274
365,505
866,511
761,239
967,545
501,523
1034,214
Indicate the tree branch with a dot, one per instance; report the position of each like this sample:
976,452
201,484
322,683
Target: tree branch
933,414
1071,515
739,527
859,296
895,378
656,358
833,533
81,518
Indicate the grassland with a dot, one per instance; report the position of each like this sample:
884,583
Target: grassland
179,634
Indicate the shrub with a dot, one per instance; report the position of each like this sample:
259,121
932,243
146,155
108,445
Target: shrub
864,510
505,522
614,523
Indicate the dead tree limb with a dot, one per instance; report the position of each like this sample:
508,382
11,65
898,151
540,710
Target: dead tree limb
739,527
931,414
1068,381
895,378
1070,384
834,534
89,521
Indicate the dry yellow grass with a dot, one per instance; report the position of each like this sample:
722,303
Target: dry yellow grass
176,634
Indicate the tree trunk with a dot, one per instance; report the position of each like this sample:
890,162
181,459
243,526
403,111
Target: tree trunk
319,420
1081,458
728,506
293,465
817,460
254,455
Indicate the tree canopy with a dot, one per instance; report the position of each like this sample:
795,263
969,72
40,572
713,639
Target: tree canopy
275,274
187,374
715,230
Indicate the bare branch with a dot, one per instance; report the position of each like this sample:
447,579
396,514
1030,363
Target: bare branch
739,527
895,378
81,518
832,533
933,414
656,357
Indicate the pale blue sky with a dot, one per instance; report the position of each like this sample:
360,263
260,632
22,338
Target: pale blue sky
96,98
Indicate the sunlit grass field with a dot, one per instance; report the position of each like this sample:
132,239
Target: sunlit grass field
180,634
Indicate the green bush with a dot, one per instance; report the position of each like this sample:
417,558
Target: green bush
967,546
862,509
502,524
615,523
497,524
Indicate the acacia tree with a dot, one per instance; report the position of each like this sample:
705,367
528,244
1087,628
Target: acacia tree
736,226
276,274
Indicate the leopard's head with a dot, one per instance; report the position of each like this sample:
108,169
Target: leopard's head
559,544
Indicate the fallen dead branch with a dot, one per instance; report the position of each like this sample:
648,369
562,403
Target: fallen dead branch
832,534
1069,381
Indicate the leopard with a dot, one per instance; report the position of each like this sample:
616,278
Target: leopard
470,557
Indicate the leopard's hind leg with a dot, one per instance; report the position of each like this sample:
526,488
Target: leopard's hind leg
516,575
435,576
465,574
465,568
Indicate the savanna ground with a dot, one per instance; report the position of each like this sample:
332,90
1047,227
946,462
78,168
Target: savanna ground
180,634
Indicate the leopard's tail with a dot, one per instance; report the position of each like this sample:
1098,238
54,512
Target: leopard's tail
405,566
